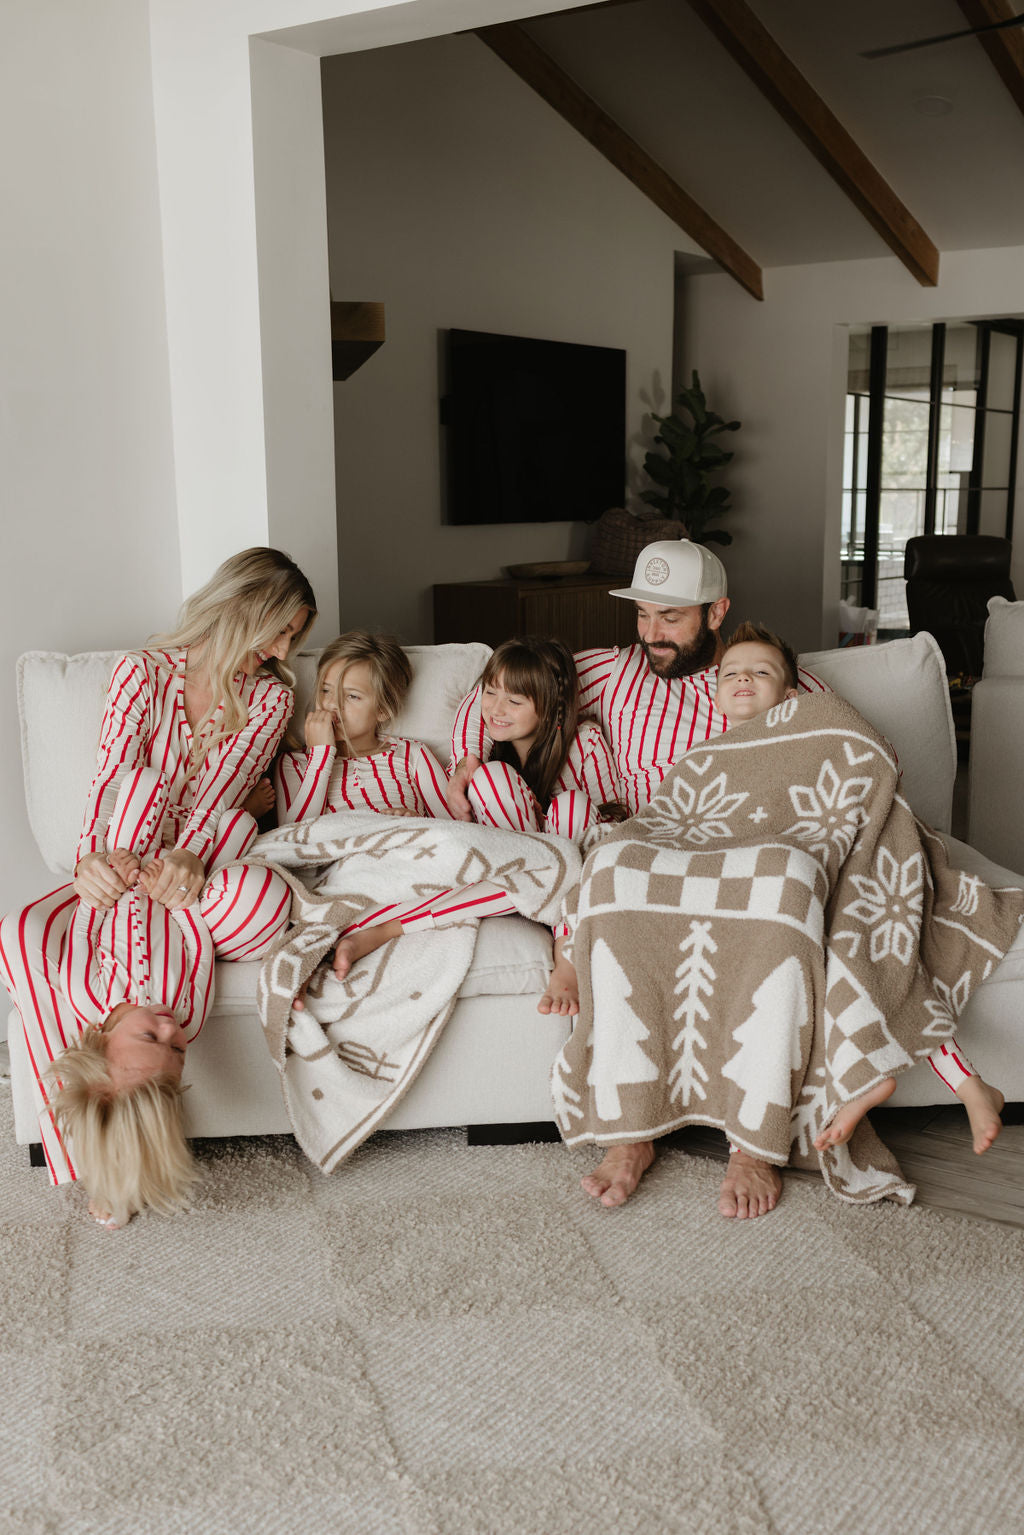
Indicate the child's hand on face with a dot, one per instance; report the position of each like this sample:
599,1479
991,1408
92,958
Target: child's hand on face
320,728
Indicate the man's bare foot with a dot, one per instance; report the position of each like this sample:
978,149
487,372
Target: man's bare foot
749,1188
102,1217
847,1118
616,1177
984,1105
562,994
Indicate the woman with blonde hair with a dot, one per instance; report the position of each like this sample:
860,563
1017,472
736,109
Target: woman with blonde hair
189,727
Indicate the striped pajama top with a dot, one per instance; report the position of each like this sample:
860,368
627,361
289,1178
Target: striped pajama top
401,775
649,721
144,724
139,952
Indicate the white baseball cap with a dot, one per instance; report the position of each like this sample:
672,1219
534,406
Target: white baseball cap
676,574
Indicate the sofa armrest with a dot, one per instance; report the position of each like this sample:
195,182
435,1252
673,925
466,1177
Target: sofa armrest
995,810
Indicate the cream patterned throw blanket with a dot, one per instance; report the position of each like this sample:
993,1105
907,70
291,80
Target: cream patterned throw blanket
773,935
347,1058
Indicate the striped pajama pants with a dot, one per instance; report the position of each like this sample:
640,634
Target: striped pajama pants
244,907
501,797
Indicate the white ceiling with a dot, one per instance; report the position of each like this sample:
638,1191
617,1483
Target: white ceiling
657,70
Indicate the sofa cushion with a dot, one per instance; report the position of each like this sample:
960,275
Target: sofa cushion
60,704
512,959
1004,639
901,688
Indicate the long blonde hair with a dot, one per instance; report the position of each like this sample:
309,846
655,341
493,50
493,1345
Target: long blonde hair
389,666
243,607
129,1146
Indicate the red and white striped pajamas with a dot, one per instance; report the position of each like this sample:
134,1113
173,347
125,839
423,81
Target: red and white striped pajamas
399,775
500,795
67,964
144,725
145,746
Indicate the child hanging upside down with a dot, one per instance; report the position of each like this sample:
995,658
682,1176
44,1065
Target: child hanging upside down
130,985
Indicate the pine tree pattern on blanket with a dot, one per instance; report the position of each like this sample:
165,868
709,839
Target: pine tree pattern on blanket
772,936
357,1046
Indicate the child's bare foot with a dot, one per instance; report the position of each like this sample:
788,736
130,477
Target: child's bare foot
102,1217
846,1120
562,994
356,946
984,1105
750,1188
351,948
617,1176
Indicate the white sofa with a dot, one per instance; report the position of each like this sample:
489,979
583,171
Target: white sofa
995,817
491,1065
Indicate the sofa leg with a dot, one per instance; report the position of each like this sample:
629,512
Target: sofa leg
36,1155
511,1135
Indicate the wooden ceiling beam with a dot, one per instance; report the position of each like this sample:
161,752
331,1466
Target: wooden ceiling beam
1005,48
529,61
792,96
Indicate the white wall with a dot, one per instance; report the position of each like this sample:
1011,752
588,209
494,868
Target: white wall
780,367
458,198
90,547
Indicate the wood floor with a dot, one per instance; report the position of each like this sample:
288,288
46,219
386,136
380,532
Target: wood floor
933,1147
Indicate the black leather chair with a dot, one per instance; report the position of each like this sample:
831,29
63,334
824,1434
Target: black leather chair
950,578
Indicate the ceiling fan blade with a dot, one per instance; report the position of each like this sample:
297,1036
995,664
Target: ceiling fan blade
946,37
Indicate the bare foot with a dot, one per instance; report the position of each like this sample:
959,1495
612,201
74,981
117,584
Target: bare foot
563,990
984,1105
357,945
617,1176
846,1120
353,947
749,1188
102,1218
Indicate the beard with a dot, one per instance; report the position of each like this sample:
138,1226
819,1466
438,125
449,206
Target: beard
684,660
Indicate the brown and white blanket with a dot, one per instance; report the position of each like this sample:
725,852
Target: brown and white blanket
351,1053
771,937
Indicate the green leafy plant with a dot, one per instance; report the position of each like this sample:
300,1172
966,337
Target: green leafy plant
682,471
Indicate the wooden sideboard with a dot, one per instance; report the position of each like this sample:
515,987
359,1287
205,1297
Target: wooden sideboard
574,609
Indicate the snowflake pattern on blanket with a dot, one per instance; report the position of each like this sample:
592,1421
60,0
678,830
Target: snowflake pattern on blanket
770,937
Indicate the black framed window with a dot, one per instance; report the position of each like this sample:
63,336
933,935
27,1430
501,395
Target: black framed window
932,425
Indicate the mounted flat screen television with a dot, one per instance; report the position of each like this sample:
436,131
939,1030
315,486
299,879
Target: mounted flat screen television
536,430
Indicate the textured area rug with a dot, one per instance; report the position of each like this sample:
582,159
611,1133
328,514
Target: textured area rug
448,1339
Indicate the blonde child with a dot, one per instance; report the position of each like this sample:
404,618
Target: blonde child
757,671
350,761
204,709
138,980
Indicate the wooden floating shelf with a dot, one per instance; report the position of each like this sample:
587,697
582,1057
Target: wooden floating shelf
357,330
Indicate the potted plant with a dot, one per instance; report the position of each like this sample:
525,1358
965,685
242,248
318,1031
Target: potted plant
681,471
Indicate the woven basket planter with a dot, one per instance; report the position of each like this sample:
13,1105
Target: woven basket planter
619,536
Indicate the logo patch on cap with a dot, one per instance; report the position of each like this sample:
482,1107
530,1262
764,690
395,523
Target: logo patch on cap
656,572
